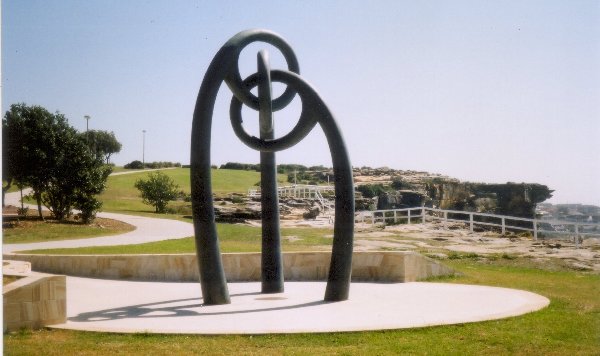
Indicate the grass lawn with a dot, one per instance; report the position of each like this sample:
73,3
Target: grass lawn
569,326
117,169
122,197
33,230
232,237
9,279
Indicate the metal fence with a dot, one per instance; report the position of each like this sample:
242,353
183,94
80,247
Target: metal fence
539,228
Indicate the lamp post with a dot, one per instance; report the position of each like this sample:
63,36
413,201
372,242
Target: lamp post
87,122
143,149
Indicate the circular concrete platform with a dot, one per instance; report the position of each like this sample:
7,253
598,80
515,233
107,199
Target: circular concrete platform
159,307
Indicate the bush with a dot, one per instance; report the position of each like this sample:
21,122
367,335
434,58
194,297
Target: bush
134,165
22,211
153,165
398,184
158,190
241,166
370,190
88,205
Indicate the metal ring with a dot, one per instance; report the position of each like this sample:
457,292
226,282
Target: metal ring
305,124
234,79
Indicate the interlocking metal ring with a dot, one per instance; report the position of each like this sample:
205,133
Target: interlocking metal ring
234,79
306,122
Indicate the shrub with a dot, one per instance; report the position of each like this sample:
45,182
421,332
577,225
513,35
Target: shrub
134,165
157,191
241,166
88,206
22,211
370,190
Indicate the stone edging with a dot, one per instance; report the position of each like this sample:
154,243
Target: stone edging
33,301
376,266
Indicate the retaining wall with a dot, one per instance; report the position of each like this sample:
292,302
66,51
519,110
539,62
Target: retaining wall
34,301
380,266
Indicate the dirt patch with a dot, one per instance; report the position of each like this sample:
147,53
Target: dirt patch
31,221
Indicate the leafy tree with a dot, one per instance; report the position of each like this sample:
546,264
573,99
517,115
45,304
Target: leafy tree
157,190
102,143
34,138
7,171
78,179
45,153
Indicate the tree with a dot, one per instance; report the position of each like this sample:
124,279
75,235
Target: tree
34,138
79,177
157,190
45,153
102,143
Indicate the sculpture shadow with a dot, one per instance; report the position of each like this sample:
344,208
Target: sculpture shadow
148,310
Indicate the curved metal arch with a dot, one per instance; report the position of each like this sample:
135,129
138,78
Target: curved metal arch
224,68
314,110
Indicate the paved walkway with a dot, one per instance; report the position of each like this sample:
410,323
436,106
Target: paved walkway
147,230
124,306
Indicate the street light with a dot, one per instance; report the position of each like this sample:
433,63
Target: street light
143,149
87,122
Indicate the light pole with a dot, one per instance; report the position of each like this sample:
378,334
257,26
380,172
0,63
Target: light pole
87,122
143,149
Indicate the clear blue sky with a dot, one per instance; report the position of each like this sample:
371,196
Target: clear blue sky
489,91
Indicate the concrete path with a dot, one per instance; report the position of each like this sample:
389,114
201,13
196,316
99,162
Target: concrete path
147,230
124,306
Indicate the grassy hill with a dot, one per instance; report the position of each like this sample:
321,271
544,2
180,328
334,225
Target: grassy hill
121,195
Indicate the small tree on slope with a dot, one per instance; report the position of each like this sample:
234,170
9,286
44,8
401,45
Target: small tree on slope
157,190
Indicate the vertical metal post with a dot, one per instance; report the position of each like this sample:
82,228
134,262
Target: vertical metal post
409,216
445,220
395,217
423,214
503,226
272,264
471,222
576,235
143,149
535,231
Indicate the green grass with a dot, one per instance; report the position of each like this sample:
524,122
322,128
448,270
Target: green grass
233,238
13,187
32,230
569,326
117,169
9,279
122,197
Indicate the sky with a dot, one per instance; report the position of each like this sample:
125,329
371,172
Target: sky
484,91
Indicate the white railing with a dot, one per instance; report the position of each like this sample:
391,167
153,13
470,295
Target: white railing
421,214
297,191
303,192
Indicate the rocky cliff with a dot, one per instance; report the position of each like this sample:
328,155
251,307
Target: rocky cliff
386,188
398,189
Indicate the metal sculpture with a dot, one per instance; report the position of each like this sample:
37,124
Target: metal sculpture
224,68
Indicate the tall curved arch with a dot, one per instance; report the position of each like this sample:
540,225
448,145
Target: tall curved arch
223,68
